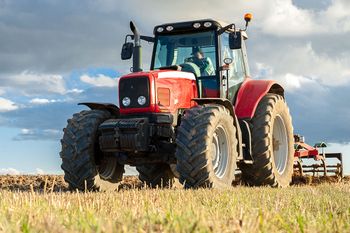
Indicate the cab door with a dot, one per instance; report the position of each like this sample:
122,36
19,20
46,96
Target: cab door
232,74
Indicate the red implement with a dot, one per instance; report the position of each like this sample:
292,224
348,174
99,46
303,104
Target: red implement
304,152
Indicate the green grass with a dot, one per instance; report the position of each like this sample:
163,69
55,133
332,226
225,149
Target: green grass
323,208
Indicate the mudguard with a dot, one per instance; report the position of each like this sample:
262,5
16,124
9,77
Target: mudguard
113,109
250,94
220,101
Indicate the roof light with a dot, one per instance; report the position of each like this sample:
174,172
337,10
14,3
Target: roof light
160,29
248,17
196,25
169,28
207,24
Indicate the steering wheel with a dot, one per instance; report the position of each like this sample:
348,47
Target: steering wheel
191,67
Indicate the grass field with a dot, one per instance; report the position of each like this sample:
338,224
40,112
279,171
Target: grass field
321,208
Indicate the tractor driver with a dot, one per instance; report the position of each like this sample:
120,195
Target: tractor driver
204,63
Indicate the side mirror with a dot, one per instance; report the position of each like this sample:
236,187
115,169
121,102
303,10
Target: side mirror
127,50
235,40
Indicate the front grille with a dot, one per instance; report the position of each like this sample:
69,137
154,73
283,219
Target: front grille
133,88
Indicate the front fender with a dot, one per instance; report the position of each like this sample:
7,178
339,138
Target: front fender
226,103
113,109
250,94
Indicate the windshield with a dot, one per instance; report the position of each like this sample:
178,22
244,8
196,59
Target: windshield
194,52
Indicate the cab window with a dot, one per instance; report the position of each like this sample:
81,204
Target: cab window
194,52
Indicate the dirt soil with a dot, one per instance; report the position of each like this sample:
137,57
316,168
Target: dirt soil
51,183
56,183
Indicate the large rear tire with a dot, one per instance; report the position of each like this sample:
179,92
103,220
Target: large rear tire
206,147
272,144
84,165
156,175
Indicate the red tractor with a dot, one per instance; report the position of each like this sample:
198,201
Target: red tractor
196,115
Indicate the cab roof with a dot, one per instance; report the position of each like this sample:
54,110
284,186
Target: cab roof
189,26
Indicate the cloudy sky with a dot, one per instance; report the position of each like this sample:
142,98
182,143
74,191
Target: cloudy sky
56,53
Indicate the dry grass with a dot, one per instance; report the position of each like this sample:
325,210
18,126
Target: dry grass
322,208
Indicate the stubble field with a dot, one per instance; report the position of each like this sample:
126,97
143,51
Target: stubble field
44,204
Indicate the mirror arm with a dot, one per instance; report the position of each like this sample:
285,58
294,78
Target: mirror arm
148,39
222,30
145,38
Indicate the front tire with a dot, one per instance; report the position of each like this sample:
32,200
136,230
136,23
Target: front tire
206,147
84,165
272,144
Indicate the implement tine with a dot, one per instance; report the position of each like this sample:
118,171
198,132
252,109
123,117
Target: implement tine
339,166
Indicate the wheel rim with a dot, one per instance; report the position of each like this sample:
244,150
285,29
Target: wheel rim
220,152
280,144
107,167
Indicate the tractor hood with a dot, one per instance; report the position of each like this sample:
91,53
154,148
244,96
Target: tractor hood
156,91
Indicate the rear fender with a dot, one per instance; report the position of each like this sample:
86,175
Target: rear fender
227,104
250,94
113,109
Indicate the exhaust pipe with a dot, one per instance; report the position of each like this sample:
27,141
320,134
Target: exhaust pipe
137,51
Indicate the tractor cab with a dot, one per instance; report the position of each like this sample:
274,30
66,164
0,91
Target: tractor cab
213,51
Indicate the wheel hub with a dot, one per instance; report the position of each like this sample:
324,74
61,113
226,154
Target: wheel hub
220,152
280,144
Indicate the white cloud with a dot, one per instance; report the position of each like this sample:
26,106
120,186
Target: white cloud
38,134
264,71
9,171
305,61
294,81
7,105
43,101
30,83
289,81
301,64
75,91
99,81
285,19
27,131
337,16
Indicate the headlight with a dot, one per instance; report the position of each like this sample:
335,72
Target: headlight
126,101
141,100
